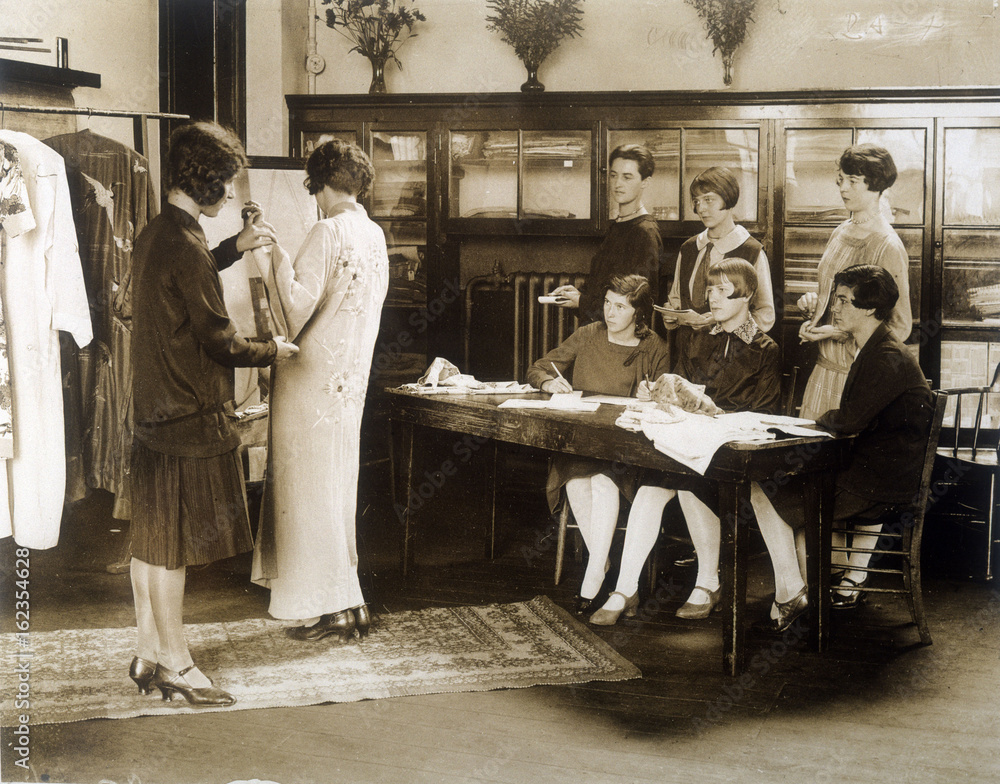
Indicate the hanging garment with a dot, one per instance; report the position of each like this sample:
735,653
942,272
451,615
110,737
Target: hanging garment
15,219
45,293
113,199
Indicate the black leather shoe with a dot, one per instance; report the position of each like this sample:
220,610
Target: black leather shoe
362,620
341,624
788,613
141,671
848,594
170,683
582,606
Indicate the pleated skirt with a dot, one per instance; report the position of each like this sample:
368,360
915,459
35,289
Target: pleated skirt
188,511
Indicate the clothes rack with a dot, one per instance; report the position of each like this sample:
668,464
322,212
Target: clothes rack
140,135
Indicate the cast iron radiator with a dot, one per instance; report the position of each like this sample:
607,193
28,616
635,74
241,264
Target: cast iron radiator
506,329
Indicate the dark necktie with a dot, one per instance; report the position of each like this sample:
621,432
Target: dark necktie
698,300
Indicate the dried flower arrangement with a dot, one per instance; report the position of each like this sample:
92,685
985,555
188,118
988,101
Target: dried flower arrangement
534,28
727,22
375,28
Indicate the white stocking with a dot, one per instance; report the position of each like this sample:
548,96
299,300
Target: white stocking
640,536
780,540
706,534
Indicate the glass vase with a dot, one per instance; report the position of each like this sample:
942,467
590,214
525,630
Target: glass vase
378,75
532,85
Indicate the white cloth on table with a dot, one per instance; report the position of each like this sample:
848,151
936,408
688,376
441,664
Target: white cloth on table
43,281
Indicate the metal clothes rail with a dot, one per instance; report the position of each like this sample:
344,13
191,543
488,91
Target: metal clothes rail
140,135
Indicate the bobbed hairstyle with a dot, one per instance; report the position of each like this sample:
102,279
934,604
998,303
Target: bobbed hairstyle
873,287
202,158
738,272
720,180
636,290
635,152
341,165
872,162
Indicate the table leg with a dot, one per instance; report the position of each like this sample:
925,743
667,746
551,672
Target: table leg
403,504
734,504
819,523
491,490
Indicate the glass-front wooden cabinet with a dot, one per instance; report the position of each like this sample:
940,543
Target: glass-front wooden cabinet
527,173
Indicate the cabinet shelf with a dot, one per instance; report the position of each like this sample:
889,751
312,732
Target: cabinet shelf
18,71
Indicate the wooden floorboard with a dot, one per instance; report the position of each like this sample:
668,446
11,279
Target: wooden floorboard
876,707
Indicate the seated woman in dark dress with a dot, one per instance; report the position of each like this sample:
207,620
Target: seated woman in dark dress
740,369
610,357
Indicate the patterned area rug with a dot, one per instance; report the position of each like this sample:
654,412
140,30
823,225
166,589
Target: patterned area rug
82,674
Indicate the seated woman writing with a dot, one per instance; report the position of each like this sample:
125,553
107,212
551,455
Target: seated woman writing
739,367
610,357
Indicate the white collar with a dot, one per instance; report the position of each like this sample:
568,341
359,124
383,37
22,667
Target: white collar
731,241
746,331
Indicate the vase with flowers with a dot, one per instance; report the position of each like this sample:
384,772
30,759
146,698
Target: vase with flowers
534,28
376,30
727,22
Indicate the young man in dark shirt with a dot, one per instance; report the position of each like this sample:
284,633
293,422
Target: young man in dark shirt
632,245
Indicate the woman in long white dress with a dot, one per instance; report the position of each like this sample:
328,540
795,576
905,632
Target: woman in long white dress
867,237
332,299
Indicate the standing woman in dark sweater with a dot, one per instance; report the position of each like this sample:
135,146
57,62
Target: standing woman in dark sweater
188,501
611,357
632,245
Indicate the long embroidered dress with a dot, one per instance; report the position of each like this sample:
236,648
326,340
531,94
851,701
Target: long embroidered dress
853,244
332,299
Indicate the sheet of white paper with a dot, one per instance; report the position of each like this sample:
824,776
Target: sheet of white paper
614,400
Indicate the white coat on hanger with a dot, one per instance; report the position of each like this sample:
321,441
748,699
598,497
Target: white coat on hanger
45,293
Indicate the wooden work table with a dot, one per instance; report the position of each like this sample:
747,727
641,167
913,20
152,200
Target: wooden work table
733,468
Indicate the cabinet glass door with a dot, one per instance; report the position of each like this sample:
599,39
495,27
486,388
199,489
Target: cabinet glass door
400,189
406,243
556,174
970,294
399,205
662,195
483,174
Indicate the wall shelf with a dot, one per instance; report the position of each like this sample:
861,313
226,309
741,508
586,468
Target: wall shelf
18,71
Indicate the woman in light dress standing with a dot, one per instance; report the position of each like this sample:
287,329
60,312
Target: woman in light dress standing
867,237
332,297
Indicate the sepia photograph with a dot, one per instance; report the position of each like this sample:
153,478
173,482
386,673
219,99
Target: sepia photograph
511,391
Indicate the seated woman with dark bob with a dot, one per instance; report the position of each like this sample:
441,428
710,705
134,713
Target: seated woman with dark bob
610,357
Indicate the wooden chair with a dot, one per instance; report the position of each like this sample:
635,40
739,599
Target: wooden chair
974,455
906,528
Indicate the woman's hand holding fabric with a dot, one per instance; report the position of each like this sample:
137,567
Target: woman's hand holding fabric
285,349
256,232
808,303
